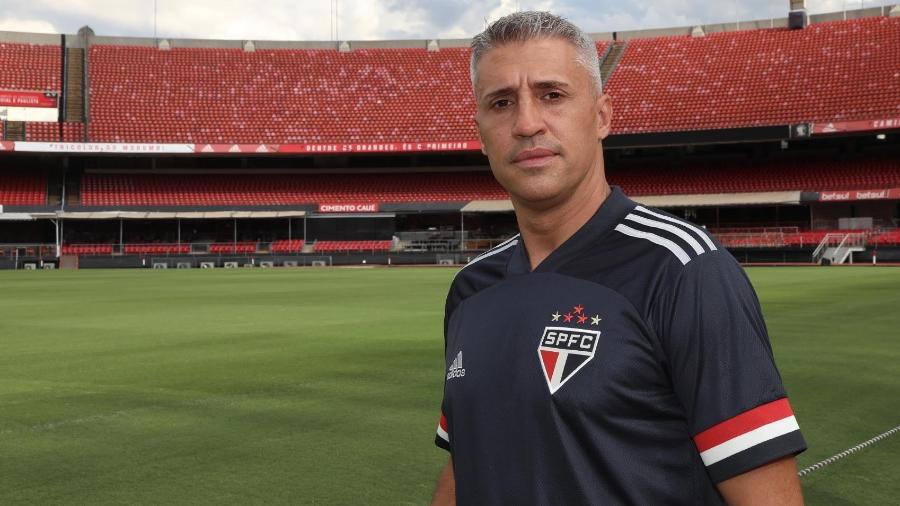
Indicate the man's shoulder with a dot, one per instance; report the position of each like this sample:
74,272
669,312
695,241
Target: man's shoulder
663,238
483,271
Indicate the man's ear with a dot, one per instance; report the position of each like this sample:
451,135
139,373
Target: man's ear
604,115
478,135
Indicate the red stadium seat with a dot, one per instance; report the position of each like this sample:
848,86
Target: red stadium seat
271,189
207,95
347,246
23,188
30,67
841,70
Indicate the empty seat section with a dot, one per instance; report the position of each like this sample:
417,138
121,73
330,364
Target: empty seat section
277,189
23,188
229,247
841,70
338,246
889,238
287,246
207,95
73,132
30,67
156,249
87,249
40,131
210,95
802,173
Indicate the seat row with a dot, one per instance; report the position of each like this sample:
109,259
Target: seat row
281,189
336,246
23,188
688,176
802,239
833,71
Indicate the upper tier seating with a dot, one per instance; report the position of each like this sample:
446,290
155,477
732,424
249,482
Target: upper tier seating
278,189
279,96
30,67
203,95
21,188
840,70
334,246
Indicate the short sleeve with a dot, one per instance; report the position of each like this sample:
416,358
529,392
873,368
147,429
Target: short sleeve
723,370
442,433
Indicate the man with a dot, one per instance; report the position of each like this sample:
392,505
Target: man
610,353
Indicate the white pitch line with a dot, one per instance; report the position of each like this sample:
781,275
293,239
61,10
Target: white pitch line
848,451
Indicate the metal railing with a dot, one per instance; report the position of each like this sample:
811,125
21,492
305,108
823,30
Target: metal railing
837,247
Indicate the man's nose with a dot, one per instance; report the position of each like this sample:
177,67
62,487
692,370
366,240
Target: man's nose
529,120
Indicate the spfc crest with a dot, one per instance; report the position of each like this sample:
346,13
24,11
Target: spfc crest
563,351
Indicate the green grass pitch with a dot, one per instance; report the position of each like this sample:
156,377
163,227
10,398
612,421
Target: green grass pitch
322,386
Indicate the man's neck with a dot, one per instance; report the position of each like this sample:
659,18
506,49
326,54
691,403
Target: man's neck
545,229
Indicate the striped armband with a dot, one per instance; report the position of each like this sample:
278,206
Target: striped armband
442,437
749,440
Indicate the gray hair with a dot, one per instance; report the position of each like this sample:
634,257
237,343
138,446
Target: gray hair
531,25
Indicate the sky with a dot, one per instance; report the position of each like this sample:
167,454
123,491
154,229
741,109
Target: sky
372,19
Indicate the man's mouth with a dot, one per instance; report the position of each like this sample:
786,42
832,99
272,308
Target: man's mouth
535,157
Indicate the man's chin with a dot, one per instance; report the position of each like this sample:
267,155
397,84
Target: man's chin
537,198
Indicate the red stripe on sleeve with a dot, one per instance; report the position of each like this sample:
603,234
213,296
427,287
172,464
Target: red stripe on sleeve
443,422
743,423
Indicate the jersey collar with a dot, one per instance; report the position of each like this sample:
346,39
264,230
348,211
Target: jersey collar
610,213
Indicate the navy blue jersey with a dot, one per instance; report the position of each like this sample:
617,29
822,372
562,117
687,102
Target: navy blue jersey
632,366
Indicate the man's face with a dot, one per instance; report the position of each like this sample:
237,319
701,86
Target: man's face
540,120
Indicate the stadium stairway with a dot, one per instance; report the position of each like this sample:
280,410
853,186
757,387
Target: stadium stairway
611,59
74,85
15,130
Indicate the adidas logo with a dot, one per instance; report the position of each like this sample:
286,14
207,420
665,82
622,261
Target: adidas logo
456,369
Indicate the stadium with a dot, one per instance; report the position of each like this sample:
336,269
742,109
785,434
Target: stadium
231,164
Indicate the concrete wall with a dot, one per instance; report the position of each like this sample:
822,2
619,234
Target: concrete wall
30,38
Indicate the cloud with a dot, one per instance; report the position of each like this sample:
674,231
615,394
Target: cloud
27,25
372,19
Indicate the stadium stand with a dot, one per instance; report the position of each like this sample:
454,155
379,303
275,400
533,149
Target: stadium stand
889,238
830,71
766,238
842,70
40,131
207,95
227,95
335,246
810,174
87,249
31,67
278,189
287,246
156,249
688,177
229,247
19,188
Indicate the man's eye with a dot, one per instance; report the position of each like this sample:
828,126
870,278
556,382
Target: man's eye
500,104
553,95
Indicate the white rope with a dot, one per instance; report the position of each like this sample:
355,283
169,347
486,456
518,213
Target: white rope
848,451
